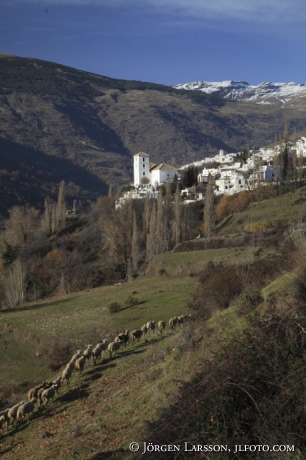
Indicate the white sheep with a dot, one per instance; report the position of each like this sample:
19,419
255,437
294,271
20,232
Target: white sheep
32,393
76,356
173,323
26,409
80,363
161,326
67,373
151,326
12,413
58,383
144,330
113,347
88,352
136,335
48,394
103,346
3,421
4,414
96,353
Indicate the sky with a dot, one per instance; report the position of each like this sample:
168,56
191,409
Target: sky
162,41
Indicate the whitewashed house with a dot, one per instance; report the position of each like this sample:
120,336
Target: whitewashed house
230,182
301,147
203,176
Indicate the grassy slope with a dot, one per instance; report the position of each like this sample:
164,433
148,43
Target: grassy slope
108,407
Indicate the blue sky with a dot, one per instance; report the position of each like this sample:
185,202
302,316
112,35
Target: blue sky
162,41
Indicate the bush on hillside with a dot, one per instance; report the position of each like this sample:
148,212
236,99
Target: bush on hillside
131,301
58,355
219,286
250,393
113,307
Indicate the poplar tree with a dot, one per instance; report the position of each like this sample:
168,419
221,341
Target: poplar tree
135,242
209,216
178,215
61,205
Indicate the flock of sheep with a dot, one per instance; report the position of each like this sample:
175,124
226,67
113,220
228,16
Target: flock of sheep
44,392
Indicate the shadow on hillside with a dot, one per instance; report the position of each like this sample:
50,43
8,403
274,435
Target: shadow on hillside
92,376
131,307
76,393
26,307
43,171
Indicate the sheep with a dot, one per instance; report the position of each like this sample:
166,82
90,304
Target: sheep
32,393
2,422
67,373
136,335
151,326
161,326
87,353
80,363
144,330
4,414
48,394
113,347
96,353
71,364
26,409
123,337
173,323
181,319
58,383
40,392
103,346
76,356
12,413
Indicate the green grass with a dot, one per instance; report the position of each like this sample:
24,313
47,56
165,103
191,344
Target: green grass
273,211
189,263
82,318
281,287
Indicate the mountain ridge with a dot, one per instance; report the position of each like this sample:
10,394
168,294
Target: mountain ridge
266,92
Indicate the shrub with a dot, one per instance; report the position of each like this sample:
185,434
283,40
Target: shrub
58,356
131,301
218,287
114,306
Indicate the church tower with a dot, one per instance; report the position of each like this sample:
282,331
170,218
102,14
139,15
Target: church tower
141,167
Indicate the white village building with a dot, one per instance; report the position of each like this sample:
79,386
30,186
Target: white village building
155,174
147,176
301,147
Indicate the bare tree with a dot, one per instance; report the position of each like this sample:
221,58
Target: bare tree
209,215
61,205
14,284
23,221
178,215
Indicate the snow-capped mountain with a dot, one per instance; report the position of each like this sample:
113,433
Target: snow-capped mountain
265,93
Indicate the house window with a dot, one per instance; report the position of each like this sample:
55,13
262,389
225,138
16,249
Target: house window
143,173
240,182
143,159
226,186
144,166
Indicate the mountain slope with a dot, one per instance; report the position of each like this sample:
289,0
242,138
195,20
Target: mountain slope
58,123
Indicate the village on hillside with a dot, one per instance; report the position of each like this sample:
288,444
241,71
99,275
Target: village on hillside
230,172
